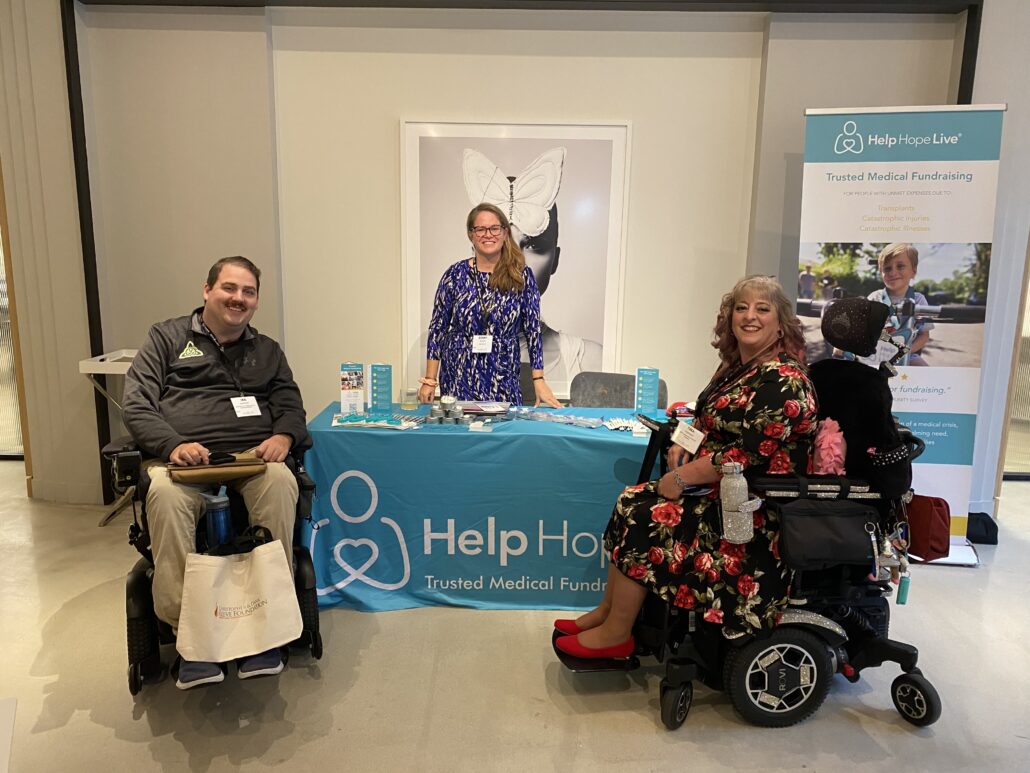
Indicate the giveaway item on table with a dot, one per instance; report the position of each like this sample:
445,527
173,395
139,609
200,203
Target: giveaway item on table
625,425
483,408
376,421
352,388
589,422
380,393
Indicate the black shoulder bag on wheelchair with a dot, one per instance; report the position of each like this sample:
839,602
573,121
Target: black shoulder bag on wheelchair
819,530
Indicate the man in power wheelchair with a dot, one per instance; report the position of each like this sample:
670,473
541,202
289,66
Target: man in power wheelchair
201,387
841,542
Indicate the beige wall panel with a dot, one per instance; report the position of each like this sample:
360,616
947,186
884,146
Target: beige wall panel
1000,77
690,95
46,257
180,139
834,61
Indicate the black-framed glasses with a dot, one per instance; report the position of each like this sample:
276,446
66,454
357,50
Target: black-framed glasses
483,230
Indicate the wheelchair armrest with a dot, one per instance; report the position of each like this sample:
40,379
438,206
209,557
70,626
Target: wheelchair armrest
121,445
915,444
125,459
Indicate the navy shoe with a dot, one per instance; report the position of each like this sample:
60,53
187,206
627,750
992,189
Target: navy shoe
194,673
267,663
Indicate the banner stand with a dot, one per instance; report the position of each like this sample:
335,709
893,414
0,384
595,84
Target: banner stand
898,206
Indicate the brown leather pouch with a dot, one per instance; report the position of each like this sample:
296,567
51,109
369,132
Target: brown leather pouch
245,466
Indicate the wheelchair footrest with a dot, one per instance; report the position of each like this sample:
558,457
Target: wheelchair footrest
593,665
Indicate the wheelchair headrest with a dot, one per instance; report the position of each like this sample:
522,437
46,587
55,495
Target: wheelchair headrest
854,324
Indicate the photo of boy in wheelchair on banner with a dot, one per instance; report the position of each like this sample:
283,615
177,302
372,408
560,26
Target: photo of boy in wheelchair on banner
769,613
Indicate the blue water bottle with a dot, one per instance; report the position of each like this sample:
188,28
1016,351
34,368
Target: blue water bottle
219,520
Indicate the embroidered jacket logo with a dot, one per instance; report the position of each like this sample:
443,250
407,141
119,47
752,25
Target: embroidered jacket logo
190,351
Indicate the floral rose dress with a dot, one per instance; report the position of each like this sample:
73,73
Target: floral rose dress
765,419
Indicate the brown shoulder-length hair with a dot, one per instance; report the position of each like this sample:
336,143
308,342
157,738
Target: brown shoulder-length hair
766,288
509,274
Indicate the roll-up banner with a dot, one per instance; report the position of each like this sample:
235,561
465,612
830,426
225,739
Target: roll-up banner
898,206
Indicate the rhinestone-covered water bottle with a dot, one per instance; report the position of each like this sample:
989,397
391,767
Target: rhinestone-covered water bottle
738,525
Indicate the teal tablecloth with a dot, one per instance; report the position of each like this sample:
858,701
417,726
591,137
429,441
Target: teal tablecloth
442,515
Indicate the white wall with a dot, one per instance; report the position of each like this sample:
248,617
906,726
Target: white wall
181,159
1002,64
344,80
829,60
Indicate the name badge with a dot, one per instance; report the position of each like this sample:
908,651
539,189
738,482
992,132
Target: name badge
246,406
482,344
687,436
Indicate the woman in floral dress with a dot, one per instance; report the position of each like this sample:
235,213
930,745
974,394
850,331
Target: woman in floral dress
482,305
759,410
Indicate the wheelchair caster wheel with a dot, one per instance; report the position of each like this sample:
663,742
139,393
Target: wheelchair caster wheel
135,679
675,702
316,645
916,699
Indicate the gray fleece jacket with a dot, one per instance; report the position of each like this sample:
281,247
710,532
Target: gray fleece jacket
179,386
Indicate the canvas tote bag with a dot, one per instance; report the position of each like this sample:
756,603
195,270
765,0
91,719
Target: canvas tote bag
237,605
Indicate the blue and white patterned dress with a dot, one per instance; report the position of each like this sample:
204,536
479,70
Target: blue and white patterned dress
458,315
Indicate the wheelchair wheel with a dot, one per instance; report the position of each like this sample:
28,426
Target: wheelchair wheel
143,650
779,680
308,599
675,702
135,678
916,699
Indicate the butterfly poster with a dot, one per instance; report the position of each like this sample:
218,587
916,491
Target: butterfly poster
563,189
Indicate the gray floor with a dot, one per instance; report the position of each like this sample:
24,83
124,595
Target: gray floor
452,689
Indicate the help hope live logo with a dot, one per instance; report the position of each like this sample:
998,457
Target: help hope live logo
495,544
850,140
360,572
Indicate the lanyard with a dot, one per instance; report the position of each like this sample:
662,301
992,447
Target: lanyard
234,372
484,311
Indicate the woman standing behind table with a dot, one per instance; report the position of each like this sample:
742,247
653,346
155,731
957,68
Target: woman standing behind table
481,306
759,410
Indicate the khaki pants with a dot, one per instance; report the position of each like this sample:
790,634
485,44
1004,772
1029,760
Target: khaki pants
173,510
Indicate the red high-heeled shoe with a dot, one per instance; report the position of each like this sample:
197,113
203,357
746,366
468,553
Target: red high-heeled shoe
567,627
570,645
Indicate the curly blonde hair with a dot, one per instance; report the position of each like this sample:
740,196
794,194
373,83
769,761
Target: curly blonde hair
768,289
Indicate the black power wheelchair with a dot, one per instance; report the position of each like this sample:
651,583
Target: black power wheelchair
145,633
838,616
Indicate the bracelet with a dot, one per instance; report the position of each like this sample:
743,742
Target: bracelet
426,381
679,481
538,378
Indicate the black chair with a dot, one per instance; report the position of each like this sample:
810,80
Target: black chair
526,383
596,389
145,633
